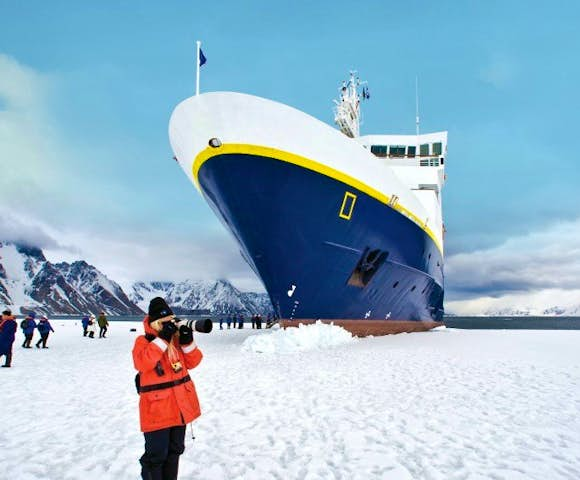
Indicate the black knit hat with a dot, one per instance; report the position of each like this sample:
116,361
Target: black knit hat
158,308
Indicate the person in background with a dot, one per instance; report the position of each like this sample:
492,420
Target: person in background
240,321
221,323
92,326
28,325
44,328
85,324
7,335
253,321
229,321
167,397
103,323
258,321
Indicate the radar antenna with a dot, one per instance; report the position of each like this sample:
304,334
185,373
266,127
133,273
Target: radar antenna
347,109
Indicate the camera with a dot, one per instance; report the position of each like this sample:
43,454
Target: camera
202,326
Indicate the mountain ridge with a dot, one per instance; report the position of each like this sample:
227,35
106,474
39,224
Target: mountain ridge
218,297
29,282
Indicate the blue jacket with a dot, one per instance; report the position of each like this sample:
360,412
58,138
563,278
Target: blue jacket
44,327
29,327
7,334
85,322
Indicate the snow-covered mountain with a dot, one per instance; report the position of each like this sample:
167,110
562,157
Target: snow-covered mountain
218,297
523,311
28,281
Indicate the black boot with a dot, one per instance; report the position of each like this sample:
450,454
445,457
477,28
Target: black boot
8,360
150,472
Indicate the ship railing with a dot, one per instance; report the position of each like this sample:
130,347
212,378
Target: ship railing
405,155
416,161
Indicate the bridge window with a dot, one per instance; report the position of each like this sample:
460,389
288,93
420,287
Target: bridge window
379,150
437,148
397,150
424,149
411,151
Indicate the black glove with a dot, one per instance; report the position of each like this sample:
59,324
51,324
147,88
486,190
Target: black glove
167,331
185,335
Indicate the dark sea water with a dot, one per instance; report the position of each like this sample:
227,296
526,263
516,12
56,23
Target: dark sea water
469,323
514,323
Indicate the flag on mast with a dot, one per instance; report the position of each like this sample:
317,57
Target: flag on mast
201,59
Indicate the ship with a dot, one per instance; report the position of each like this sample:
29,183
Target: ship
339,227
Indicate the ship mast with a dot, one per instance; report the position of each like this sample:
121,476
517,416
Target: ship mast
347,109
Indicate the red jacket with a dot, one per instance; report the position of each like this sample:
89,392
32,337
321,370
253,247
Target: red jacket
172,405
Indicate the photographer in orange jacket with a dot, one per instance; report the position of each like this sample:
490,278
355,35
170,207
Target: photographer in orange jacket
168,400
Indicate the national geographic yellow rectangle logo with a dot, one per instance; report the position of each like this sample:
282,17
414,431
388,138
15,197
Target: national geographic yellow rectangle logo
347,205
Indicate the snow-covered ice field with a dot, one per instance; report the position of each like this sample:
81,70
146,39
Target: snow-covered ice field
447,404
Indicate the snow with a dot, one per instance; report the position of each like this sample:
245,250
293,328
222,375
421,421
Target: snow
305,337
216,296
445,404
18,277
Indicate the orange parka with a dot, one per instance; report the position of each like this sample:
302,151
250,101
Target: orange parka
169,398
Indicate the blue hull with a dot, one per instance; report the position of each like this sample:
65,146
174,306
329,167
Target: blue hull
348,255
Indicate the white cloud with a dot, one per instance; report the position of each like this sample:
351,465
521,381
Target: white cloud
162,256
127,258
534,302
25,231
21,87
538,269
43,173
48,203
32,155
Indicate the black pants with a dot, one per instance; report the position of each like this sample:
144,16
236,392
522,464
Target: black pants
162,450
102,332
8,359
43,339
27,340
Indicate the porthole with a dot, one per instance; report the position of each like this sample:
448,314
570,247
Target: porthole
215,142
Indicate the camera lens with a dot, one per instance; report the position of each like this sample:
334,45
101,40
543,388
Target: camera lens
203,326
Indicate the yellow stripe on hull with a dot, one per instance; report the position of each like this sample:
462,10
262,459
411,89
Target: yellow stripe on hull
275,154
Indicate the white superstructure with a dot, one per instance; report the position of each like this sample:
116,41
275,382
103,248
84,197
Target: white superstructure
418,162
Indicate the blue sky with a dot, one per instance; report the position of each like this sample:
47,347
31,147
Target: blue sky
87,88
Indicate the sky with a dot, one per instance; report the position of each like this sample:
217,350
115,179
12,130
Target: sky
87,89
